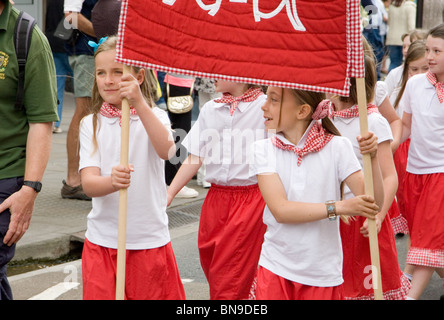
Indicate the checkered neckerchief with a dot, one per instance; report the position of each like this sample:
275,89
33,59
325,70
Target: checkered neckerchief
317,138
438,86
353,112
249,96
110,111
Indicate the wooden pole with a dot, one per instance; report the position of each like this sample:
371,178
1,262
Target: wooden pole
368,176
123,196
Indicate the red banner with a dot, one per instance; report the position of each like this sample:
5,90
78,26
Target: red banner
305,44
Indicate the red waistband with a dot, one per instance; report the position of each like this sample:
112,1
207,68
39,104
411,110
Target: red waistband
217,187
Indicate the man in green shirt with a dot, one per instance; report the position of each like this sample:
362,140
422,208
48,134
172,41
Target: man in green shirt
25,135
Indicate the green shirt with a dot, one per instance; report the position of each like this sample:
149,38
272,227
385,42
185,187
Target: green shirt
40,101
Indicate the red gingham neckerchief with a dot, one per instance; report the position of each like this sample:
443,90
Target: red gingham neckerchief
353,112
438,86
248,96
110,111
317,138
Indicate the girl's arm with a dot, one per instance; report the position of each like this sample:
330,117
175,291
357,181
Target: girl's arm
186,171
406,126
159,135
389,175
390,184
285,211
395,122
95,185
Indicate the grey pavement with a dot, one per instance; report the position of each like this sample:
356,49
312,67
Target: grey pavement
58,223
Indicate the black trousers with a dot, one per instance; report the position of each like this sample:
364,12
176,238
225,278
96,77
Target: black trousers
181,124
7,187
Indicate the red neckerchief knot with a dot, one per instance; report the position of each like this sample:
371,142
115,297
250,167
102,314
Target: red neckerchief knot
438,85
250,95
353,112
317,139
110,111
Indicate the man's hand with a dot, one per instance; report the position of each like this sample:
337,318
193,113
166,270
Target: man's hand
21,206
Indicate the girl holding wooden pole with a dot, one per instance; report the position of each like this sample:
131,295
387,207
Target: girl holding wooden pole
300,172
358,267
151,269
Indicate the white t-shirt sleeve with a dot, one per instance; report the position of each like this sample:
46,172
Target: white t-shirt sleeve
88,156
393,79
381,92
380,127
263,157
162,116
164,119
346,160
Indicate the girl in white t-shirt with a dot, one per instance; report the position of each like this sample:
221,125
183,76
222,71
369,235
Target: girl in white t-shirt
355,234
415,63
423,121
231,230
300,172
151,269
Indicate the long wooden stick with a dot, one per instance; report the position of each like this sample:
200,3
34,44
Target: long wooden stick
368,176
123,196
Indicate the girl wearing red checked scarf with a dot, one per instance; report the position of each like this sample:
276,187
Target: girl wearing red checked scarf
300,172
423,120
151,269
231,230
355,242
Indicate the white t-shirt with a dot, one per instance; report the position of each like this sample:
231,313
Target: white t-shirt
147,221
350,128
393,79
307,253
426,151
224,141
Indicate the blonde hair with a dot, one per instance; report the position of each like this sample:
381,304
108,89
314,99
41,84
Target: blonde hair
148,87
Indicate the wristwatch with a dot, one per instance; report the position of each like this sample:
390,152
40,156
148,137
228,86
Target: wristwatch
36,185
331,210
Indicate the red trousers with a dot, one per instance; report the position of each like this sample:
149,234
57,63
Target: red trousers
357,262
398,217
424,204
231,233
273,287
150,274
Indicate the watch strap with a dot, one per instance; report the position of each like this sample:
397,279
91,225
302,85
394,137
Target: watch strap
331,210
36,185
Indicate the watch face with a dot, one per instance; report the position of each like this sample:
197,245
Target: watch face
330,207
